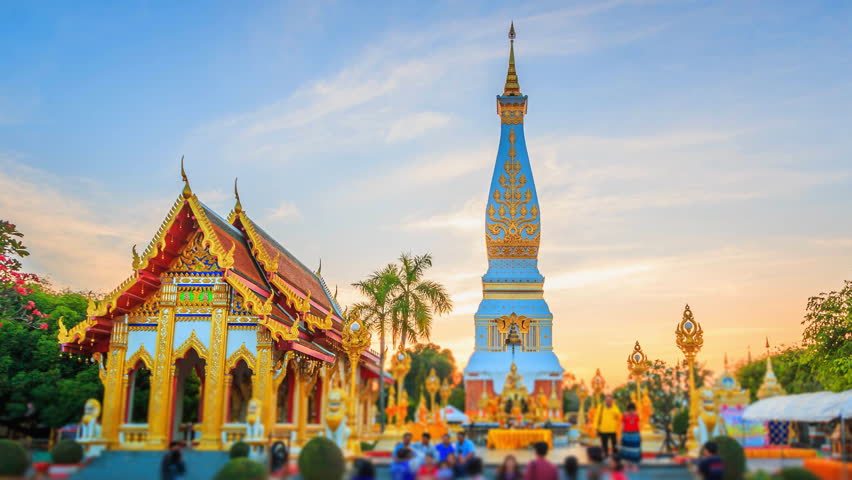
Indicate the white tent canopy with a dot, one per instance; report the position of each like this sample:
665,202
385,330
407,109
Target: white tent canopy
805,407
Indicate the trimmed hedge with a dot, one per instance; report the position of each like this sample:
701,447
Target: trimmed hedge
795,473
733,456
321,459
242,468
239,450
67,452
14,460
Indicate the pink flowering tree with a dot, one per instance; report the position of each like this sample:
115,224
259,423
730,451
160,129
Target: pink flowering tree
15,284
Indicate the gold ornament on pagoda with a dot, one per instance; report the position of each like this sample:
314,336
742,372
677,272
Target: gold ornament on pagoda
513,230
506,321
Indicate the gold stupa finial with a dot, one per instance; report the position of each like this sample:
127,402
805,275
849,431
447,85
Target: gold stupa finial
512,88
239,206
187,192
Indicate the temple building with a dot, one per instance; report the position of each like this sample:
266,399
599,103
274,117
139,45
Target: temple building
217,311
513,322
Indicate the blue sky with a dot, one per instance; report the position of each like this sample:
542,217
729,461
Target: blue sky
684,151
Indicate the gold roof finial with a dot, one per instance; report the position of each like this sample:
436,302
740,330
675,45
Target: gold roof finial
319,268
239,206
187,192
512,87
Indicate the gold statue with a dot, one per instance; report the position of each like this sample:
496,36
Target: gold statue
647,410
390,410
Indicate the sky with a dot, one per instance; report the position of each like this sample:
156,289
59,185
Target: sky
684,151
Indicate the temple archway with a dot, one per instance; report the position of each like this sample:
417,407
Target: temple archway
241,392
189,388
284,399
138,393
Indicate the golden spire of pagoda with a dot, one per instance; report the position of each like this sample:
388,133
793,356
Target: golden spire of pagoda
512,87
187,192
238,208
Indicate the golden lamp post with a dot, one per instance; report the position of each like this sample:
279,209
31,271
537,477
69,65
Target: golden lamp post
400,365
690,339
598,384
356,339
637,364
445,392
433,384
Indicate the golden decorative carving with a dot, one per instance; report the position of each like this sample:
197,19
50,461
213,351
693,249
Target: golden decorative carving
77,333
214,386
279,330
506,321
312,321
269,263
195,257
140,262
252,300
140,355
192,342
110,301
211,241
513,218
293,299
244,354
689,334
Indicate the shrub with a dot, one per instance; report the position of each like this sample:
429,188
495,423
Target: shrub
67,452
242,468
321,459
14,460
733,456
758,475
368,446
239,449
795,473
680,422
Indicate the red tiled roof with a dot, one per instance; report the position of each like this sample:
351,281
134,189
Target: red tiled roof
244,263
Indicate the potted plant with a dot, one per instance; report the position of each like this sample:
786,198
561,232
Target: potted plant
14,460
66,457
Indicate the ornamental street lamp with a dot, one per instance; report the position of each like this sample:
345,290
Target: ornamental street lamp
690,339
582,395
637,364
445,392
433,384
356,339
400,365
598,384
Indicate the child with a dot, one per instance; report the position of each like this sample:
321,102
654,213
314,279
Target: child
571,467
445,471
428,470
400,469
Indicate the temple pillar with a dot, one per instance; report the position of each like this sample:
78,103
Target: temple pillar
306,379
113,393
214,383
161,381
263,388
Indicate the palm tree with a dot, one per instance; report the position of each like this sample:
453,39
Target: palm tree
376,312
416,300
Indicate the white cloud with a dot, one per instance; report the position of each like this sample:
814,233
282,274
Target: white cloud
415,125
285,211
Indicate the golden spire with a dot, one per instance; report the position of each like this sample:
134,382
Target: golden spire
187,192
239,206
512,87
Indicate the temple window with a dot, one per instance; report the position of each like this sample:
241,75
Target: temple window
140,391
241,392
284,400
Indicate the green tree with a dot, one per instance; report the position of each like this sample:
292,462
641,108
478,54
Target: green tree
376,311
39,389
828,337
424,357
793,369
416,300
14,283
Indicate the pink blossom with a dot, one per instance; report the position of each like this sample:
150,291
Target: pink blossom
43,326
30,305
36,312
21,290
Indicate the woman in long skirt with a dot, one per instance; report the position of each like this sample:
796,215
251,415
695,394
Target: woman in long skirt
631,440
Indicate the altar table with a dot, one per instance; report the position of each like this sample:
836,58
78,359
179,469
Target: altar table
510,439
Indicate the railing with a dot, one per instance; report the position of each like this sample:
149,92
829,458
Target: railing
133,434
233,432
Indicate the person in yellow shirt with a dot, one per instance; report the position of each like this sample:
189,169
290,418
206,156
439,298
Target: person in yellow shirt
608,422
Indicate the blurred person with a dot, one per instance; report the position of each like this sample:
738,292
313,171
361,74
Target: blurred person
445,448
445,471
172,466
465,449
616,468
595,470
631,440
428,468
607,423
473,468
400,469
571,467
710,465
363,470
509,470
540,468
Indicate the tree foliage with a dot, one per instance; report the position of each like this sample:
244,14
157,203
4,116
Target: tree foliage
792,368
38,388
416,300
828,337
424,357
14,283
